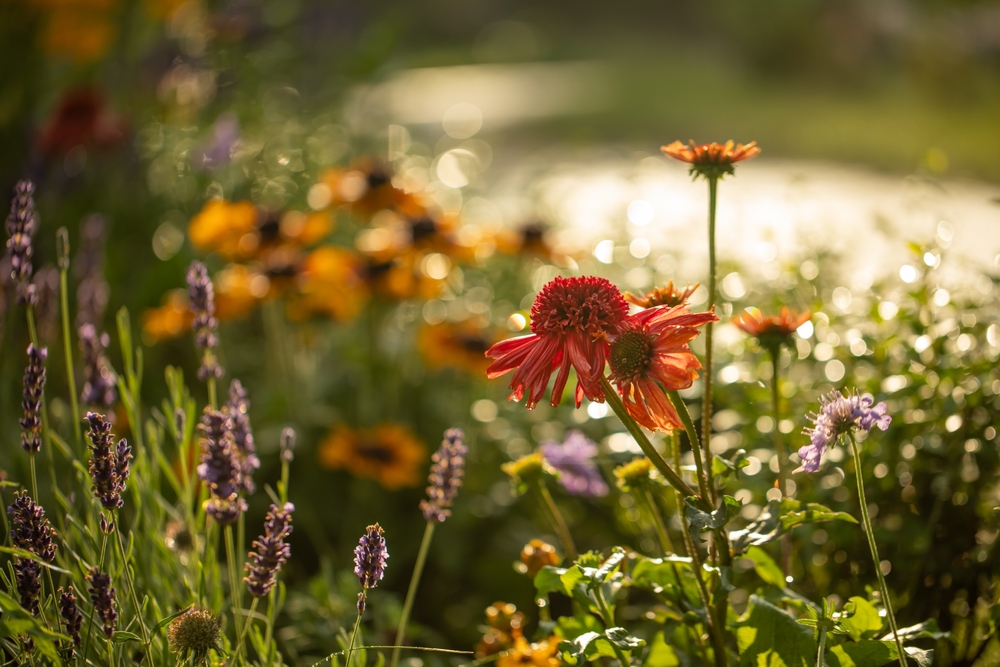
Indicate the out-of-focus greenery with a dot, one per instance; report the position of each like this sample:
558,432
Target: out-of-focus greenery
185,103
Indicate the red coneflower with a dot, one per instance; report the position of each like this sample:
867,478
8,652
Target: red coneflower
772,331
712,160
650,356
571,320
663,296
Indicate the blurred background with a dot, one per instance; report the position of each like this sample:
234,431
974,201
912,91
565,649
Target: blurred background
379,190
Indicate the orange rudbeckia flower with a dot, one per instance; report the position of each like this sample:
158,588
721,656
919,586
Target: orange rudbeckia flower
772,331
712,160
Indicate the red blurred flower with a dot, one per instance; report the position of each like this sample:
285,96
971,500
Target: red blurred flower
711,160
571,320
81,117
650,355
772,331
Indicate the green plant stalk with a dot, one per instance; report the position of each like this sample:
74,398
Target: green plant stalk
658,525
234,585
68,353
90,618
692,434
46,433
870,533
269,629
779,451
411,593
130,584
706,398
354,635
212,399
822,647
250,615
611,396
558,522
716,634
609,622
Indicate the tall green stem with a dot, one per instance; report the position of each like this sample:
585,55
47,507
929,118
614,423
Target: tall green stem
706,398
354,635
779,451
682,411
411,593
611,396
870,533
130,583
558,522
609,622
74,400
236,590
658,525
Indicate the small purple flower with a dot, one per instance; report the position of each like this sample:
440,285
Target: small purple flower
445,477
839,414
369,561
239,409
30,530
271,551
21,226
201,294
98,378
220,467
31,399
574,459
217,151
102,595
109,464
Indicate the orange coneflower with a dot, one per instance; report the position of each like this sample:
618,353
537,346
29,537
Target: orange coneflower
772,331
650,355
329,281
663,296
169,320
712,160
571,320
389,453
225,227
504,623
366,188
523,654
460,345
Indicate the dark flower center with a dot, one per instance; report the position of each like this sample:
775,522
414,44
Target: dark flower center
376,451
631,353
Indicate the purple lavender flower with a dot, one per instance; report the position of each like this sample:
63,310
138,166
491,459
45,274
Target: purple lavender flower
445,477
27,574
21,226
31,400
369,561
98,378
102,594
93,291
220,467
202,303
217,151
239,407
29,529
72,620
839,414
574,459
272,551
109,466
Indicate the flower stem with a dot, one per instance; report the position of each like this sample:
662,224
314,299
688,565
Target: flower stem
661,529
822,647
706,397
696,447
130,584
779,451
411,593
68,353
647,447
354,636
269,630
234,587
870,533
609,622
246,628
90,619
558,522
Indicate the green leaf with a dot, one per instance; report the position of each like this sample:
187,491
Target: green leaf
21,553
661,654
926,630
874,654
767,635
860,619
722,468
607,567
623,640
779,516
548,580
765,566
701,521
123,637
571,627
575,648
167,620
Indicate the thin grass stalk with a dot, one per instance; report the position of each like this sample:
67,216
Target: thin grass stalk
661,529
250,615
779,451
236,588
706,398
411,592
269,628
558,522
90,618
68,353
870,533
609,622
354,636
130,584
612,398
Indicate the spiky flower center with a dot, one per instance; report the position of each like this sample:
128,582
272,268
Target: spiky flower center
631,354
584,304
195,633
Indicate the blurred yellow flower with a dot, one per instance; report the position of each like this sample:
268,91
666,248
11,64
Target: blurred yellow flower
169,320
366,188
238,290
389,453
460,345
329,282
541,654
225,227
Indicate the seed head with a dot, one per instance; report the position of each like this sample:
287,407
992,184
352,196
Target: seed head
195,633
21,226
27,574
98,378
201,295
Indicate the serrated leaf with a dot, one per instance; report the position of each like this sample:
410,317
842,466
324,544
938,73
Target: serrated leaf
765,567
576,647
722,468
860,619
606,568
779,516
623,640
700,521
767,635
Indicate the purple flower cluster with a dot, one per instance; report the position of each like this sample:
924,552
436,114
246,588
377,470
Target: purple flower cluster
72,620
109,466
102,595
31,398
239,407
98,378
93,291
271,551
21,226
27,574
29,529
446,476
839,414
574,460
369,561
201,294
220,467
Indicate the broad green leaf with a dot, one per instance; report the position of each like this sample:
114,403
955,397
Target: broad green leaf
765,566
700,521
813,513
575,648
570,579
779,516
874,654
607,567
767,635
623,640
926,630
860,619
571,627
661,654
723,468
548,580
21,553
